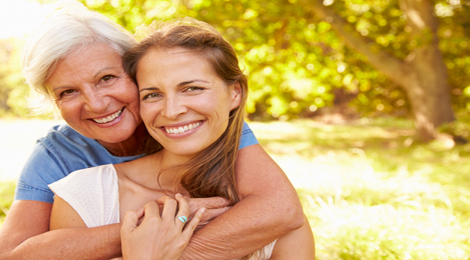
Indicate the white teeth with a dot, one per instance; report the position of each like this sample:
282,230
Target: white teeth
182,129
108,118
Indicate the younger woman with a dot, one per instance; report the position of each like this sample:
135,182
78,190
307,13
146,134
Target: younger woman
192,99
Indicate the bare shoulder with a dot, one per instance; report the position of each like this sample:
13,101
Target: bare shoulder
64,216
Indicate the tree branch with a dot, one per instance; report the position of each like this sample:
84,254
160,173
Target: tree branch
383,61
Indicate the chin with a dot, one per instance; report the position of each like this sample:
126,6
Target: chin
115,139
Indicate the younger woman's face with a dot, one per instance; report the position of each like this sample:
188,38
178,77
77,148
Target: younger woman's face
184,104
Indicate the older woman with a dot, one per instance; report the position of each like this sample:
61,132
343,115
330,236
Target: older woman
74,60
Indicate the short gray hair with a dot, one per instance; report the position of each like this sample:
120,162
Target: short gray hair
70,27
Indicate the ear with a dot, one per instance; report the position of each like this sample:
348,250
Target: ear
236,93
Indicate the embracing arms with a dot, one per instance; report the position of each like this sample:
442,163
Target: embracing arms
25,235
269,208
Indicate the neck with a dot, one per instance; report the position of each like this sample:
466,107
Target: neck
170,160
154,172
134,145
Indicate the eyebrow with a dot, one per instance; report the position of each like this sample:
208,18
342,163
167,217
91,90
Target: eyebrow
96,75
104,69
192,81
184,83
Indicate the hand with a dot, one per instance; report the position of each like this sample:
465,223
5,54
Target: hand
215,206
158,237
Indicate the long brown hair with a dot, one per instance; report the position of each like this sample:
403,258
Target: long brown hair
212,171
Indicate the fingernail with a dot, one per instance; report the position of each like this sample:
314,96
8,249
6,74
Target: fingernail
179,195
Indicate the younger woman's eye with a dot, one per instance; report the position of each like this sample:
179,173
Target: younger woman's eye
191,89
151,95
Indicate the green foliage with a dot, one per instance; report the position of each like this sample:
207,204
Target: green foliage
12,88
460,127
296,63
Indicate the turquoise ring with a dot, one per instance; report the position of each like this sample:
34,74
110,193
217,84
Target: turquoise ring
183,219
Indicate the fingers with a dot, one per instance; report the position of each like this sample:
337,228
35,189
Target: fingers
213,213
151,210
183,209
191,225
169,207
131,220
209,203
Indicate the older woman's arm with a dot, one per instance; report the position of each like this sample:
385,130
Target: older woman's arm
25,235
269,208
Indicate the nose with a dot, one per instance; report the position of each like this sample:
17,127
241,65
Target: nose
173,107
95,100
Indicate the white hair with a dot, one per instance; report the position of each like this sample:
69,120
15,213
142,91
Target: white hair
70,27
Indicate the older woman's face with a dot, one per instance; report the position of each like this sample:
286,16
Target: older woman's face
94,95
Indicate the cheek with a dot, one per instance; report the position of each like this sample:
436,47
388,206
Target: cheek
68,110
148,112
133,101
129,92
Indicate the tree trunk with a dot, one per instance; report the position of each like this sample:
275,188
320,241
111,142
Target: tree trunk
422,75
425,83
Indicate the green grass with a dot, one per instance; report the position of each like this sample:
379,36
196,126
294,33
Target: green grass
368,190
371,193
7,191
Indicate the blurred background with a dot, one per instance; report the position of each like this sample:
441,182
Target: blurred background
363,103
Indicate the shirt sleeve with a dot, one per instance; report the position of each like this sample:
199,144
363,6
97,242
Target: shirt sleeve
40,170
93,193
248,137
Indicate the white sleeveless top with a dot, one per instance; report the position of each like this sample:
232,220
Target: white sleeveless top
94,194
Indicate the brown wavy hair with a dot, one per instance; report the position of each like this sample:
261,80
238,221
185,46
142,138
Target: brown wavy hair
212,171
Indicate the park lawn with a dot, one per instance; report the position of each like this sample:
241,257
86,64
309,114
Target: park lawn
368,190
7,191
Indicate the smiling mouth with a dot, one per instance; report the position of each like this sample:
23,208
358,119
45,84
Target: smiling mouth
181,129
108,118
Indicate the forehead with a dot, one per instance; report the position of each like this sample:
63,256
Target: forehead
173,55
167,61
85,62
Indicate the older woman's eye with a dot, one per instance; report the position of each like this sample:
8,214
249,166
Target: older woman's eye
107,78
66,92
107,81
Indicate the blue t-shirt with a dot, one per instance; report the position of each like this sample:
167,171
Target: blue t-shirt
62,151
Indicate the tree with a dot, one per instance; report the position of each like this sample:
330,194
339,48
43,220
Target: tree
12,88
372,57
422,73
